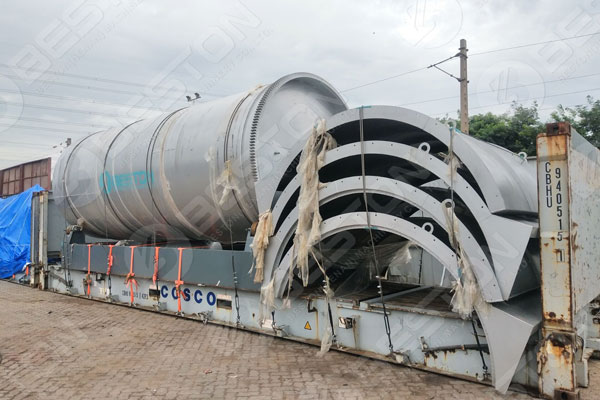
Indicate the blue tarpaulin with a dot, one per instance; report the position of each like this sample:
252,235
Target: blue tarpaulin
15,232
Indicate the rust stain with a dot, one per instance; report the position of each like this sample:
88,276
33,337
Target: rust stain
575,246
552,318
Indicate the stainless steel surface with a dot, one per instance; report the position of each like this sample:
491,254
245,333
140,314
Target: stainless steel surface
497,203
162,177
426,203
159,177
507,239
347,222
506,182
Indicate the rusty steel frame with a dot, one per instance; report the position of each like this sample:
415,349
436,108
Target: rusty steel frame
568,168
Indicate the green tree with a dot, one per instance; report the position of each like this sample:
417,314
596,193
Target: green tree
516,130
584,118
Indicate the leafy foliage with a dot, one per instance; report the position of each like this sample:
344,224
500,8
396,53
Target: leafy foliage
585,119
517,130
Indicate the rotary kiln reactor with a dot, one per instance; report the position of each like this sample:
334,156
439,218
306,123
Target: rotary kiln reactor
376,230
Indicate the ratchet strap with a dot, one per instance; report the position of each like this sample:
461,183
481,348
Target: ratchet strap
178,283
110,259
88,278
155,274
130,278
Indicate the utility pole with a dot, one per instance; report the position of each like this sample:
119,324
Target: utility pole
464,82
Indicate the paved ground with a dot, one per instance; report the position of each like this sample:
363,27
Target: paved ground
57,347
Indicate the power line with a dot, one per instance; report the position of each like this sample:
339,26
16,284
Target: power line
42,128
78,99
69,110
532,44
383,79
471,55
492,90
97,79
533,98
49,121
27,144
98,88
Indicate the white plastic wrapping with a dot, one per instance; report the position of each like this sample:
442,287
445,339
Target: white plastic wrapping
467,295
264,230
227,181
309,219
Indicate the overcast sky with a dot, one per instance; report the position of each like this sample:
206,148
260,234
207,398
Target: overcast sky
82,65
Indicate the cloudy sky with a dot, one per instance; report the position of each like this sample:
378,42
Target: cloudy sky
71,67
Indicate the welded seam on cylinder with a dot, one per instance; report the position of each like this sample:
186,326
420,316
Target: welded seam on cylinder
254,129
107,197
127,212
226,144
64,183
150,160
166,194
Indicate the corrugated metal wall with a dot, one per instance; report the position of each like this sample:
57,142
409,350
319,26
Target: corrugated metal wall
21,177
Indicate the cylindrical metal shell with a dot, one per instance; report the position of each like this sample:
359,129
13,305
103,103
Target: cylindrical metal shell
190,173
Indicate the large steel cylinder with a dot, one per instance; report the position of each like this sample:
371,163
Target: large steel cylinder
190,173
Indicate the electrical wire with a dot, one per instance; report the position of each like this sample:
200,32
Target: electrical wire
70,110
48,121
42,128
97,79
532,44
470,55
383,79
98,88
77,99
493,90
25,144
533,98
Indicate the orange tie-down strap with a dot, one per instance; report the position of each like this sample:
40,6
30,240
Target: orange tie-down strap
88,277
130,278
179,282
155,274
110,259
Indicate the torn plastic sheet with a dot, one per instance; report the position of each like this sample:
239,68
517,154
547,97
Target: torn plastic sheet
467,295
267,299
309,219
328,336
264,230
401,258
454,163
227,181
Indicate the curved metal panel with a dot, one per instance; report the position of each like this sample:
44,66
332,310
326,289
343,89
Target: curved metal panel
507,238
344,222
421,200
507,183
